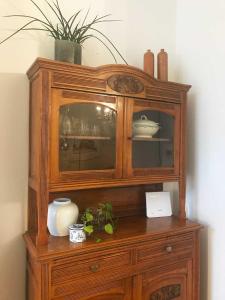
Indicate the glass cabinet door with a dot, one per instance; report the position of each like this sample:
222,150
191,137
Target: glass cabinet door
85,136
152,138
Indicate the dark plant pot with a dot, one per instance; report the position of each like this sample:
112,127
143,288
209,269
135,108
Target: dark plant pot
68,51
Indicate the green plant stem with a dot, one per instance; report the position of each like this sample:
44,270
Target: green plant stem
21,28
110,43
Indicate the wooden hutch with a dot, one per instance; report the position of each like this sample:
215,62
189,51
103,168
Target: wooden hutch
82,147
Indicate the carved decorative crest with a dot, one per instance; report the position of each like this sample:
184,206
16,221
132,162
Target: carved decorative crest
125,84
168,292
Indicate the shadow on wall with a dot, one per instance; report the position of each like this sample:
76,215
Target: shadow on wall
192,188
204,258
13,183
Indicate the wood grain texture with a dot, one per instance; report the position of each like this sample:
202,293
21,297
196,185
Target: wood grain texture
126,201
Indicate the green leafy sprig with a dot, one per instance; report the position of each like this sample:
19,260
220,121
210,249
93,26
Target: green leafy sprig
99,219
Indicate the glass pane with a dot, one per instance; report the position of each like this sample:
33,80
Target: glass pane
87,137
153,135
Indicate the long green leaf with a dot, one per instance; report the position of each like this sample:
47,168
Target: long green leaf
33,18
62,20
71,22
17,31
40,10
110,43
52,8
106,47
85,18
85,28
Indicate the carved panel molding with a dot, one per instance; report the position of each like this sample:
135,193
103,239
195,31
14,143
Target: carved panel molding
125,84
168,292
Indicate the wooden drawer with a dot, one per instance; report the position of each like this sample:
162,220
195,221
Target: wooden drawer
166,248
84,267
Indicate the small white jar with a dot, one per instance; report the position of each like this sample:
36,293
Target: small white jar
77,234
62,213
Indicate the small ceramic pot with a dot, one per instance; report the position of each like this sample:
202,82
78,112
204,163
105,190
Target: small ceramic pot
61,214
77,234
145,127
68,51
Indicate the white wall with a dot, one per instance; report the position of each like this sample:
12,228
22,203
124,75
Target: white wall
201,62
13,183
144,25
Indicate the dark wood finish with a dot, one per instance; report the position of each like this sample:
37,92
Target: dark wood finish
145,258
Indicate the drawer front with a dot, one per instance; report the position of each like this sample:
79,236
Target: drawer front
166,248
85,267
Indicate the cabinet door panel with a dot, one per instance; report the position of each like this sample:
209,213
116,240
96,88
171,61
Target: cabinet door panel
85,136
152,138
174,284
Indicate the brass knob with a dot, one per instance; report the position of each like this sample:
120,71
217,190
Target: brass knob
94,268
169,249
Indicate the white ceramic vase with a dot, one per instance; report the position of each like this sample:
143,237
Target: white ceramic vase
62,213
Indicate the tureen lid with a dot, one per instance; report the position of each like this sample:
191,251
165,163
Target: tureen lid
145,121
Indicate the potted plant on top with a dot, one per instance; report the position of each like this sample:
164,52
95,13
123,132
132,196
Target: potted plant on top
69,33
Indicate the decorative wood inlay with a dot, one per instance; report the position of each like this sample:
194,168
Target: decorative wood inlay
168,292
169,94
61,79
113,290
125,84
153,104
88,96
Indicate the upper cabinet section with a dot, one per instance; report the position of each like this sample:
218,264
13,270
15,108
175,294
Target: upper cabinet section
108,126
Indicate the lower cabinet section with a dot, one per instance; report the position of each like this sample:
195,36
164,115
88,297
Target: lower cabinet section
164,268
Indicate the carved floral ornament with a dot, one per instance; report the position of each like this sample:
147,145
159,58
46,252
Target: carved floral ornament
125,84
168,292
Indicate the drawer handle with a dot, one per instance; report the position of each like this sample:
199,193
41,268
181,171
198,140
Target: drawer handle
94,268
169,249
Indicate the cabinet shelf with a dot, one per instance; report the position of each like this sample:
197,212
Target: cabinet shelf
85,137
147,139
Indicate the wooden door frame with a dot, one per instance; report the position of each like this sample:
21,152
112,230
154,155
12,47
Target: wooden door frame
130,108
59,98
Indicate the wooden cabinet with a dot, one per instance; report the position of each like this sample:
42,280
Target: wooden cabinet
83,145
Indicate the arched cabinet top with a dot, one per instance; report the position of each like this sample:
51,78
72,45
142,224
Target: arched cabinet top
113,79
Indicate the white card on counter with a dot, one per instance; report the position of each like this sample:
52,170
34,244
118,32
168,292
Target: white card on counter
158,204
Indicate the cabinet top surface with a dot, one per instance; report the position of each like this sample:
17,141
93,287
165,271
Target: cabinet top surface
102,72
131,230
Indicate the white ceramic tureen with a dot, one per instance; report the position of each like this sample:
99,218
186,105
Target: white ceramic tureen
145,127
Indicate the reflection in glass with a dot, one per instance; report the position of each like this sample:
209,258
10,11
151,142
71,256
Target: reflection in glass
156,151
86,137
